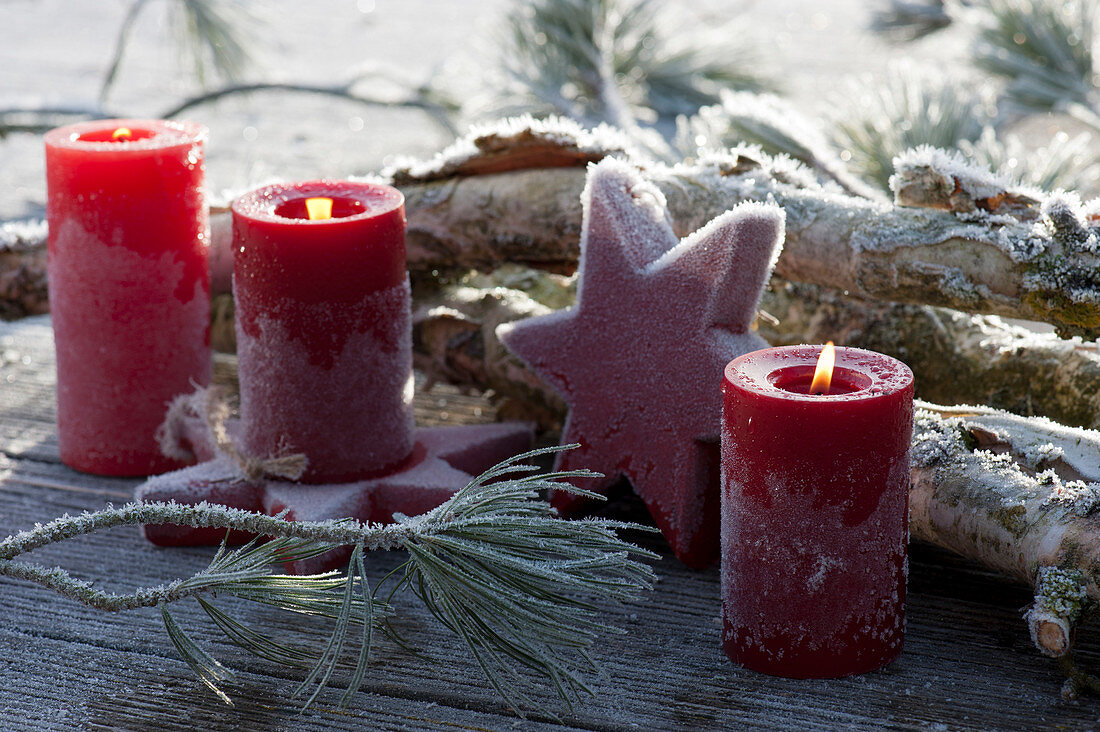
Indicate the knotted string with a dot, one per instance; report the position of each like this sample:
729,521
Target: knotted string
211,405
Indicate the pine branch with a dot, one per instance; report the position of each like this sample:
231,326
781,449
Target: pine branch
520,586
775,125
872,125
213,33
620,62
1043,51
210,32
908,20
1064,163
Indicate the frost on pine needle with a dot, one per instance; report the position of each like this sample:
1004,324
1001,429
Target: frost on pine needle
1062,163
520,586
773,124
874,122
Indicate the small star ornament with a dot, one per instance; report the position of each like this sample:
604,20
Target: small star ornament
442,461
639,357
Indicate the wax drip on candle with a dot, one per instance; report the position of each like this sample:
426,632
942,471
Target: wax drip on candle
823,374
319,209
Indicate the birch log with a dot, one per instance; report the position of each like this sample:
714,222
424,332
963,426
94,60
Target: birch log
958,237
956,357
1021,496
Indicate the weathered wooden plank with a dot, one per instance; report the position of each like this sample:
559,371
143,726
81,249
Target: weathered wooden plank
131,691
968,663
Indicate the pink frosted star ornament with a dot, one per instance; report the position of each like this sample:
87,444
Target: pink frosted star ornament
639,357
443,460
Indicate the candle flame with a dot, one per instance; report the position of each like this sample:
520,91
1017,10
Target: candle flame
823,374
319,209
122,133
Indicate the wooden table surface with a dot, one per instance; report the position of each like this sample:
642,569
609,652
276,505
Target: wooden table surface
967,664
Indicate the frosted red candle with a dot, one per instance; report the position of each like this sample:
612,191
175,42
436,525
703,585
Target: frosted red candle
129,286
323,317
815,496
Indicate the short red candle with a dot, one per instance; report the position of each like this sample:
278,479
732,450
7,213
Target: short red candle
129,286
324,339
815,498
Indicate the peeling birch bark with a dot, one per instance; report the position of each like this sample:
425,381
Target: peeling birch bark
511,193
1014,493
1022,497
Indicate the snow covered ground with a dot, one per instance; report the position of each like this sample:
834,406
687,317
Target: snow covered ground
55,53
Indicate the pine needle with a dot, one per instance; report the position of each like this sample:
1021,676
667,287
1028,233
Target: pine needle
524,589
209,671
874,124
212,33
1064,163
517,584
254,642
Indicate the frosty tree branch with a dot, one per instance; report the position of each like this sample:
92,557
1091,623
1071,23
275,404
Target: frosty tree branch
959,238
973,244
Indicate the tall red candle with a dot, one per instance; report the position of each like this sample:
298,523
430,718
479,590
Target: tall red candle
814,511
129,285
324,328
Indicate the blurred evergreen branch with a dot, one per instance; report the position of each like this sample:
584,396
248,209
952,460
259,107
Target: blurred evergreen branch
210,32
908,20
872,123
622,62
1064,162
1042,49
773,124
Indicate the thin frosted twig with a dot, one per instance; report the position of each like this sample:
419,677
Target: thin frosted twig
494,564
204,515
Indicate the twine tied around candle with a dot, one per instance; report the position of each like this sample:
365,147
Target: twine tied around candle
211,405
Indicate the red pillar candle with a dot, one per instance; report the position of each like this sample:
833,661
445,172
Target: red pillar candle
814,511
129,285
323,316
